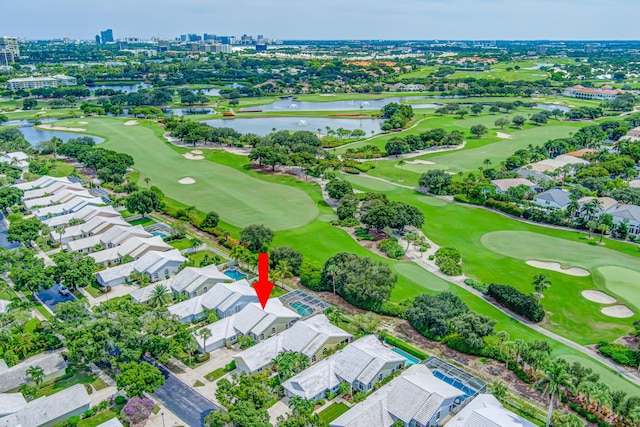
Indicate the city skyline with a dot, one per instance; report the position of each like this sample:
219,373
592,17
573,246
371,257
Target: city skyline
359,19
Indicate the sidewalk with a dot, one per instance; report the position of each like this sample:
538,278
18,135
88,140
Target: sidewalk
164,418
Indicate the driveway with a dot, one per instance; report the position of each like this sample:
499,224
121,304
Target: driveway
4,241
52,297
188,405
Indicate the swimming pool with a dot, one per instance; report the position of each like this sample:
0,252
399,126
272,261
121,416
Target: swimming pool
235,274
411,360
456,383
302,309
159,234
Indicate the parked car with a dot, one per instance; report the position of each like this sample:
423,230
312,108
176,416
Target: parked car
63,290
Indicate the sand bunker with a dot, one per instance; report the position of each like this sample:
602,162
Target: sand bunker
503,135
555,266
599,297
196,152
619,311
419,162
131,123
83,123
62,128
187,180
192,157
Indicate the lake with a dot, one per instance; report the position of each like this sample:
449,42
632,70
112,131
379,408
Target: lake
290,104
551,107
34,136
264,125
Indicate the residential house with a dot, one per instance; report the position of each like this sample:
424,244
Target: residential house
417,398
11,403
251,321
194,281
4,305
486,411
135,247
71,206
362,364
86,213
633,134
50,190
629,214
582,152
532,175
606,204
551,165
503,185
113,422
156,265
315,337
114,236
96,225
62,196
225,298
53,366
42,182
47,411
17,159
554,198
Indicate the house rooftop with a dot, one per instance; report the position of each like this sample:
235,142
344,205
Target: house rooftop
15,376
556,195
11,403
628,212
607,202
146,263
486,411
48,408
506,184
191,278
416,395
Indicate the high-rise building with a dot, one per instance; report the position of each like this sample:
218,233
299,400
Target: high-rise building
194,37
9,50
98,39
107,36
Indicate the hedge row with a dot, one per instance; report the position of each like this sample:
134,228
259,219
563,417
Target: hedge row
516,301
396,342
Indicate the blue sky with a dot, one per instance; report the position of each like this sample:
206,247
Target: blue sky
326,19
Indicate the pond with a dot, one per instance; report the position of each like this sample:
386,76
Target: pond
126,88
265,125
209,91
34,136
290,104
551,107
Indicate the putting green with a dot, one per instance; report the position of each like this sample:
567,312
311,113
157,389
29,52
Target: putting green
238,198
432,201
422,167
420,276
623,282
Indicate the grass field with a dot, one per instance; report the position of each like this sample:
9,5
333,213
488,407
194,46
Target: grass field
239,199
332,412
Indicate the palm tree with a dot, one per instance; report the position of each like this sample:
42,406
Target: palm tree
587,389
190,347
159,295
36,374
196,243
401,163
510,348
147,180
332,270
541,282
602,396
282,271
590,225
503,336
552,384
499,390
205,334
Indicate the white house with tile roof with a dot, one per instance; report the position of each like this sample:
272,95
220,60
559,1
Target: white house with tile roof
96,225
42,182
225,298
503,185
135,247
252,321
17,159
314,337
629,214
53,366
193,281
63,196
11,403
48,411
362,364
116,235
485,411
156,265
554,198
73,205
417,398
86,213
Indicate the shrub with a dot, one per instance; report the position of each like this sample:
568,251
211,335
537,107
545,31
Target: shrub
120,400
391,248
352,171
510,208
516,301
348,222
310,275
448,260
620,353
393,310
479,286
397,342
202,357
362,233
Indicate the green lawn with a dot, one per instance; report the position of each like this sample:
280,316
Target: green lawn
181,244
239,198
332,412
198,257
142,221
77,378
98,419
214,375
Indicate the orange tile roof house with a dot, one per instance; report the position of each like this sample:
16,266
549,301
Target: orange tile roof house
581,92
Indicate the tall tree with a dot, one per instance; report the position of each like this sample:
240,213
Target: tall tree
556,380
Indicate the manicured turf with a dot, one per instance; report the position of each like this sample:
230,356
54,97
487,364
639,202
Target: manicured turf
332,412
623,282
239,199
419,275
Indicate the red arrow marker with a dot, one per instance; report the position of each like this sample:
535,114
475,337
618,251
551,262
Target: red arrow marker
263,286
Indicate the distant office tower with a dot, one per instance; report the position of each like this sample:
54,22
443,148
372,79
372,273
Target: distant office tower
261,48
194,37
9,50
106,36
588,48
98,39
183,37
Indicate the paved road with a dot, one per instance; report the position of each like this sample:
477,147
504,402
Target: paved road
4,241
189,405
